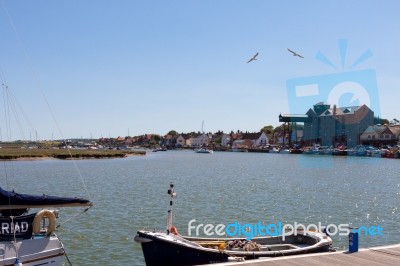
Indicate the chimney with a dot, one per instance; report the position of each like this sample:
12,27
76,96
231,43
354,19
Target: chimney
334,110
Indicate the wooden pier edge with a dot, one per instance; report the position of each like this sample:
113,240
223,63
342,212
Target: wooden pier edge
381,255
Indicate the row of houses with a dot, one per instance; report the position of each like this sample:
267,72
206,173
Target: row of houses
374,135
233,140
380,135
192,140
322,124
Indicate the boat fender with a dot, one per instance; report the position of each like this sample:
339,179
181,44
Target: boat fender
39,217
174,230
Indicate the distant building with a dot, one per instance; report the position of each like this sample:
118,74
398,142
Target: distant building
333,126
380,135
180,141
199,140
225,140
248,140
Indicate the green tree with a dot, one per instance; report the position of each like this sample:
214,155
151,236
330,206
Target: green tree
382,121
172,132
267,130
394,121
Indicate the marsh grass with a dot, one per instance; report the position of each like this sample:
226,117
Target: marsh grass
18,153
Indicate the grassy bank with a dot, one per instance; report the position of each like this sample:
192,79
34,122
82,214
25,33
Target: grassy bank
14,154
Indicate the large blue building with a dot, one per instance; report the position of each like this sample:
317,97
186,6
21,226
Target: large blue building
332,126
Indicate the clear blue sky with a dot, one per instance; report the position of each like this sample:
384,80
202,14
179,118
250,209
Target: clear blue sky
109,68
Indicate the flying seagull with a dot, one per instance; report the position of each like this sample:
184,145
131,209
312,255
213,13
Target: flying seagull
253,58
294,53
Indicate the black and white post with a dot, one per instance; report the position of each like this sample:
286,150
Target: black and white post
172,195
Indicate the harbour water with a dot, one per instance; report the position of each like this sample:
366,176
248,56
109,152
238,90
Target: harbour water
131,194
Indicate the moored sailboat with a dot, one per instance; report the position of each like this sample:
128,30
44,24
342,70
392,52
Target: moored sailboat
29,238
28,222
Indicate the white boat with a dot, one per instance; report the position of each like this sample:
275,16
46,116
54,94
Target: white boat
30,238
375,153
274,150
284,151
203,150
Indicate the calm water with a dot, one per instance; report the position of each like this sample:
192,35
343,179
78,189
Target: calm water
131,194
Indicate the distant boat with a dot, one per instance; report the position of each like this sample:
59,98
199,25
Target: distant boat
284,151
239,150
203,150
297,149
274,150
315,149
342,151
259,149
160,149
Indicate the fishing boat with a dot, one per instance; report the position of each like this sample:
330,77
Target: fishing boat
170,248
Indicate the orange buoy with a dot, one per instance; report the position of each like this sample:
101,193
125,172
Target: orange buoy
174,230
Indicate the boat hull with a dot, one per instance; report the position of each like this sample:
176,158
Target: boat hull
33,252
161,253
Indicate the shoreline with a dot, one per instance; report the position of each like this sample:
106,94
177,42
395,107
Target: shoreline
46,154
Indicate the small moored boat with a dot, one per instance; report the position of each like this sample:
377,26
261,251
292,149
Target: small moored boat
170,248
203,150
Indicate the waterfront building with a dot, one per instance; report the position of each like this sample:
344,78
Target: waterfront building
249,140
180,141
198,141
380,135
333,126
225,140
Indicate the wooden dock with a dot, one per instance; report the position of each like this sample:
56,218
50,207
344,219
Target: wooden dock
385,255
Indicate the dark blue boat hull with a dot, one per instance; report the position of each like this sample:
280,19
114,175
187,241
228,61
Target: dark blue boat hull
162,253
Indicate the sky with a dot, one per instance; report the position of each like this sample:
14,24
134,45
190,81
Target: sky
97,68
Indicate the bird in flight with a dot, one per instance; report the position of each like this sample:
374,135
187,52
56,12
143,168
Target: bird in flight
253,58
294,53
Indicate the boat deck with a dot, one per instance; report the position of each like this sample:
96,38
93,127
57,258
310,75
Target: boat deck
385,255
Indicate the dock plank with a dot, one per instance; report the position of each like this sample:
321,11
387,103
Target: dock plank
385,255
